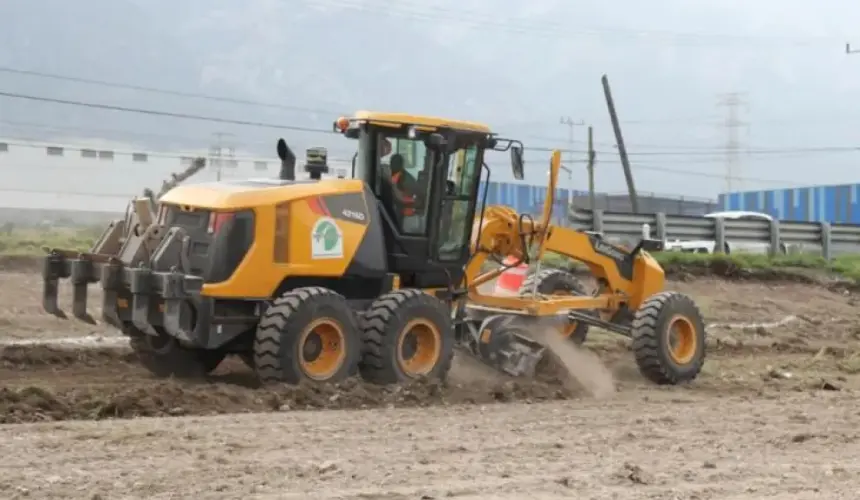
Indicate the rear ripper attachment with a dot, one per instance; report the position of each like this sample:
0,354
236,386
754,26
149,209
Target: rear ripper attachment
136,260
152,276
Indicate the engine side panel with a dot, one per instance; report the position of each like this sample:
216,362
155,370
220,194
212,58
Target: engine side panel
317,236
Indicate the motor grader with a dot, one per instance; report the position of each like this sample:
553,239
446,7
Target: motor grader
320,279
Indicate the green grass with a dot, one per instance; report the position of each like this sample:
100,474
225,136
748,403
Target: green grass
847,266
29,242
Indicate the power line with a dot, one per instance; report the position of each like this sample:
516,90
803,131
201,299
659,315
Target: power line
325,131
40,74
345,159
191,116
128,152
762,151
673,150
778,152
559,30
348,158
169,114
691,156
66,193
667,150
109,131
195,95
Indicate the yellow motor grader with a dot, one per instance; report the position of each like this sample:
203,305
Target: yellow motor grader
378,275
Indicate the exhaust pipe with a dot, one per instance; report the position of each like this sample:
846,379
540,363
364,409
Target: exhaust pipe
288,161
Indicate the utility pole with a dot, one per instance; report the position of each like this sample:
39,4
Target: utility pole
732,101
591,155
619,142
220,151
567,120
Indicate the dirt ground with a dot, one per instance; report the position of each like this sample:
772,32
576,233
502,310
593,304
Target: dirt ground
772,416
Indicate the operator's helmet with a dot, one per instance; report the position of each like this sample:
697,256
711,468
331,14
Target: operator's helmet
396,163
384,148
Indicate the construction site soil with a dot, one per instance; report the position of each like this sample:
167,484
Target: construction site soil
773,415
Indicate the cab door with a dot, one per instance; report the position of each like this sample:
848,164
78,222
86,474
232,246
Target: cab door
459,196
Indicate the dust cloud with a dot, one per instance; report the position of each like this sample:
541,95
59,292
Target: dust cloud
578,367
582,368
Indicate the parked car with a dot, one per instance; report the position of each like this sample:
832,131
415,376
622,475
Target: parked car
710,246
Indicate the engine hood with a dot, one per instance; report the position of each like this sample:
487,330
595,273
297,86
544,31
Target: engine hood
248,193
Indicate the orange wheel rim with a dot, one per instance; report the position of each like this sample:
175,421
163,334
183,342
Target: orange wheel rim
322,349
681,339
419,347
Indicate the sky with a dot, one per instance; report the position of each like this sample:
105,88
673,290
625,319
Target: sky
519,66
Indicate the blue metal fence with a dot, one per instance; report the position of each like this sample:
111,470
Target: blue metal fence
836,204
524,198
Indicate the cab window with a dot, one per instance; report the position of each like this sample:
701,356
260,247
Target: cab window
461,171
405,167
457,203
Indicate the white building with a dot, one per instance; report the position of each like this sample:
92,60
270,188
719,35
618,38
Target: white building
100,176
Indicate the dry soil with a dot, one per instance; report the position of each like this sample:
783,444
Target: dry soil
773,416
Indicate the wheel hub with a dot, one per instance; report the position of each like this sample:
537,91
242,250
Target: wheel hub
410,346
321,349
313,347
419,347
681,339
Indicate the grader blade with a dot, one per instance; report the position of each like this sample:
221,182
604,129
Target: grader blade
522,356
504,345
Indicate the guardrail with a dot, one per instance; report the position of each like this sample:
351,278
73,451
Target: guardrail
776,235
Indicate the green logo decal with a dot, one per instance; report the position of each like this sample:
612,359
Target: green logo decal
326,239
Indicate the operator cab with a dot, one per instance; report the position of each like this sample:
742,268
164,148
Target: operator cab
425,173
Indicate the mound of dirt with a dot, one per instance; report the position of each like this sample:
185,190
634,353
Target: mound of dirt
62,383
170,397
23,357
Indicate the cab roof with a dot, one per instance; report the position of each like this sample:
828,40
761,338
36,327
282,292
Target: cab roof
382,118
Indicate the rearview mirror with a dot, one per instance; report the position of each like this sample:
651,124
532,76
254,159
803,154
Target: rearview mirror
517,161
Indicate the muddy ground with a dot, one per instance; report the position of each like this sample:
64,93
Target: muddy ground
773,416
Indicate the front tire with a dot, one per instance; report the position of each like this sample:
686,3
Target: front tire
660,359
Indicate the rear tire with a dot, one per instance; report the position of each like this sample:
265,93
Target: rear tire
164,357
307,334
558,282
659,360
406,335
